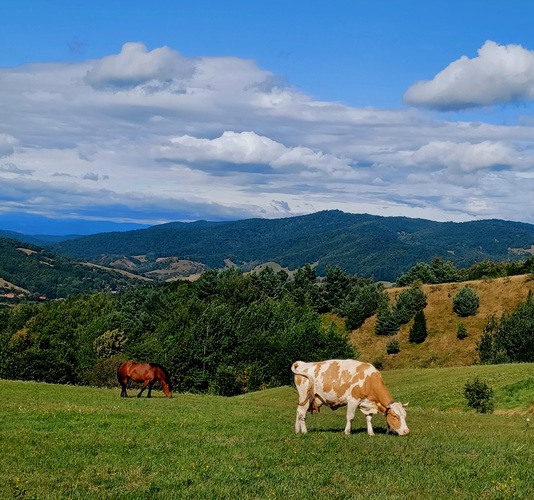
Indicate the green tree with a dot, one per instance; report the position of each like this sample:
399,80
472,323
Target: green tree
393,346
361,302
466,302
421,272
479,395
418,332
409,302
387,322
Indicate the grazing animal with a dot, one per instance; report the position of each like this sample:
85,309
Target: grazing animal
349,383
147,374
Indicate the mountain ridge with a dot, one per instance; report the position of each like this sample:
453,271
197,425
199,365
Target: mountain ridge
371,246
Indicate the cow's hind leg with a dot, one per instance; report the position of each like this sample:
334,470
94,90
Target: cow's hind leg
300,422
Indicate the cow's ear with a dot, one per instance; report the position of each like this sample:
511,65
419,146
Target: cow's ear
406,404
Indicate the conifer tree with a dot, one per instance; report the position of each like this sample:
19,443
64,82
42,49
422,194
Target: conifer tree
418,331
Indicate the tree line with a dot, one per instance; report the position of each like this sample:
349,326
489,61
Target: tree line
226,333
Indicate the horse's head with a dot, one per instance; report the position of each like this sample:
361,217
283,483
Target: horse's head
165,381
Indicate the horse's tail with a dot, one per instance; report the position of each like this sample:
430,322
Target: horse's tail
310,395
120,376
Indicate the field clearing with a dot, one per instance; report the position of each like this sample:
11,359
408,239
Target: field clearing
78,442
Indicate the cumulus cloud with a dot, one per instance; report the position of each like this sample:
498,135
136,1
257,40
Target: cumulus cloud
468,157
248,148
499,74
136,65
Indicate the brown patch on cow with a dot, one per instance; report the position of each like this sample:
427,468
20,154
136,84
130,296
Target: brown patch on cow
318,368
331,378
373,388
299,379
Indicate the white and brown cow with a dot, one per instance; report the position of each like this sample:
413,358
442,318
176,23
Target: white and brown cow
350,383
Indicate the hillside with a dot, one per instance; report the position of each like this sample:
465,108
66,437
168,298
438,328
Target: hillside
31,270
380,248
442,348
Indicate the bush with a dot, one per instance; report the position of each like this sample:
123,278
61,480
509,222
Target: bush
104,373
418,330
479,396
465,302
393,346
462,332
225,382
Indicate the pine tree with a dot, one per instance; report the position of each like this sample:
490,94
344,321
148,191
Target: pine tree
418,331
465,302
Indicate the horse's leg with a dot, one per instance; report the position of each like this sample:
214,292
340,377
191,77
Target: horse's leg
150,385
123,383
143,388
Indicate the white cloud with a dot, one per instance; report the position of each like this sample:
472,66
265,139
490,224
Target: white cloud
7,145
135,65
468,157
499,74
219,137
249,148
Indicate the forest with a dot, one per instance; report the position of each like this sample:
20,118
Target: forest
228,332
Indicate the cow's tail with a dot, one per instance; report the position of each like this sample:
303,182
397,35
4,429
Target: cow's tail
310,395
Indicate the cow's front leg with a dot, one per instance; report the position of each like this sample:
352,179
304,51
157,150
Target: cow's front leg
369,425
351,410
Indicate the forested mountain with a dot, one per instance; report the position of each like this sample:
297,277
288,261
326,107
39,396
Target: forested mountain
42,272
380,248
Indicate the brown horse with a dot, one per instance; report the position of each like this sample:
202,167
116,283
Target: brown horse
147,374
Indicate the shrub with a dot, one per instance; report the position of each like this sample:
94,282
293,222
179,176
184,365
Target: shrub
479,396
393,346
418,330
226,382
462,332
104,373
465,302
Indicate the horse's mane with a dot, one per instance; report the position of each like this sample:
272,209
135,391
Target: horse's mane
165,372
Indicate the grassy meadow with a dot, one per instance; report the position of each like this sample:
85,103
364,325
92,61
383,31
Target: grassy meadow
78,442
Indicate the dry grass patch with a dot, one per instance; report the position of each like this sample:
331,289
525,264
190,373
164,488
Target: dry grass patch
442,347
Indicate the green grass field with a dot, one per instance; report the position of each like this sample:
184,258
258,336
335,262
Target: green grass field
76,442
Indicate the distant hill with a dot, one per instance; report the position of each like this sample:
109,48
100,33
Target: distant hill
380,248
32,270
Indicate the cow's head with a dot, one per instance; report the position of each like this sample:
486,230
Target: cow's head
395,417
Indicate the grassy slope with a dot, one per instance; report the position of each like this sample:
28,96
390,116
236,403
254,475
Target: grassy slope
73,442
442,348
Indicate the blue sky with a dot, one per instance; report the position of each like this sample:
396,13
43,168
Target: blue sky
148,112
